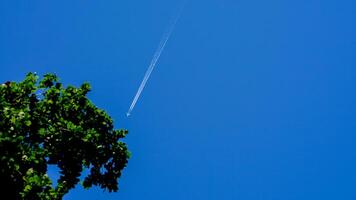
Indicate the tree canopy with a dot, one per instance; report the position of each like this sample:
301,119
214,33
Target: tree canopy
44,123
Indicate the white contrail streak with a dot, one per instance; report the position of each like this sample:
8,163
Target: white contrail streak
155,59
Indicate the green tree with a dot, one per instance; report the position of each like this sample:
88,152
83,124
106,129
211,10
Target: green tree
43,123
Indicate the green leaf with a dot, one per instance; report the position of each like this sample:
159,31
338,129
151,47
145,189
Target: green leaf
44,123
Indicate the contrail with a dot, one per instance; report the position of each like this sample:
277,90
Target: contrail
155,59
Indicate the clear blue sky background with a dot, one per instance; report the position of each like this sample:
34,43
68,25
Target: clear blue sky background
251,99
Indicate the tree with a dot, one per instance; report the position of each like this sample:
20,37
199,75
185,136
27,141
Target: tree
43,123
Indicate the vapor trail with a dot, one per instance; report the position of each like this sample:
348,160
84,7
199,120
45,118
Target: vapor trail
155,59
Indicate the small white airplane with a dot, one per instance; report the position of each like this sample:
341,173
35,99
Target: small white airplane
128,114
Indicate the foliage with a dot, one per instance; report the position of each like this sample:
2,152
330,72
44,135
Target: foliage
43,123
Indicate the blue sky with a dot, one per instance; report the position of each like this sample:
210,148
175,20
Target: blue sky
251,100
